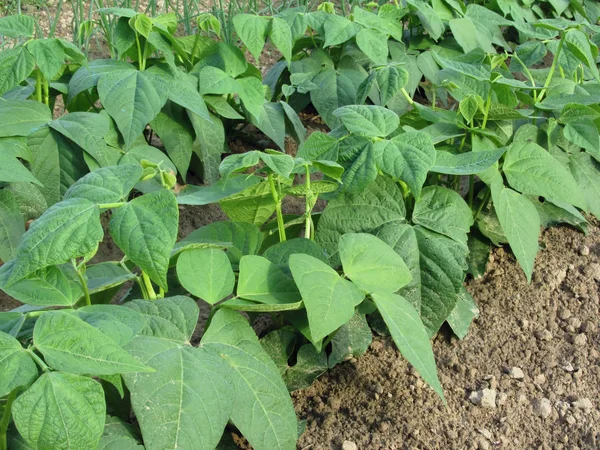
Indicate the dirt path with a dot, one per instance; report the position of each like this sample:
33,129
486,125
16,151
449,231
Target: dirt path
546,332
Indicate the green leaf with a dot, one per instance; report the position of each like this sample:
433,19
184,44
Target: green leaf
255,205
146,230
132,100
428,18
206,273
52,286
106,275
49,56
252,30
584,133
77,401
15,26
142,24
252,94
239,304
22,117
245,237
364,212
187,401
476,71
225,187
410,335
521,224
467,36
106,185
280,253
586,52
357,157
66,230
18,369
407,157
262,281
368,120
173,318
12,225
209,144
46,163
16,65
319,146
444,211
466,163
281,36
213,80
261,409
371,264
322,288
71,345
586,172
272,122
390,80
338,30
11,169
532,170
352,339
118,323
373,43
470,105
118,435
463,314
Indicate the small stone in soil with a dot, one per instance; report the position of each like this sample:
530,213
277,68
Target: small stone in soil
584,250
583,403
539,379
484,397
502,397
516,373
544,335
564,314
349,445
580,340
542,408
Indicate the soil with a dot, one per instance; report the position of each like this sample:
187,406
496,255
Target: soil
548,329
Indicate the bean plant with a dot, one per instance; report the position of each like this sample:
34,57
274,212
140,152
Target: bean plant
447,129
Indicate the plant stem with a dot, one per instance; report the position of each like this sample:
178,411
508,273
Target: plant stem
110,205
139,51
86,292
471,190
38,360
483,204
46,87
552,67
6,416
148,285
408,99
308,226
38,86
275,194
488,105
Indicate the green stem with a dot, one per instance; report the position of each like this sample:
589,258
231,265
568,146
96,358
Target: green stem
280,222
148,285
86,292
6,416
38,86
308,226
110,205
38,360
46,87
527,73
471,190
139,51
408,99
488,105
553,67
483,204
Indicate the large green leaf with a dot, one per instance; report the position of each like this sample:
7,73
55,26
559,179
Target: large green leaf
357,157
373,43
410,335
466,163
17,25
379,204
106,185
187,401
328,298
532,170
262,281
428,18
66,230
371,264
61,411
146,230
209,144
225,187
338,30
252,30
87,77
173,318
70,344
261,409
352,339
271,121
254,205
584,133
368,120
16,65
118,323
390,80
521,223
177,137
586,172
22,117
12,225
49,56
444,211
17,367
281,36
132,100
319,146
407,157
119,435
206,273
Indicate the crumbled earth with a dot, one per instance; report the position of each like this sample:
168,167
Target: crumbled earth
525,377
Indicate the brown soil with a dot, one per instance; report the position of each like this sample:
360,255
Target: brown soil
549,329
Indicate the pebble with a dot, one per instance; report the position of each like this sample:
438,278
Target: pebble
501,398
580,340
542,408
564,314
544,335
516,373
377,388
377,346
574,322
522,399
594,271
486,433
484,397
539,379
349,445
584,404
584,250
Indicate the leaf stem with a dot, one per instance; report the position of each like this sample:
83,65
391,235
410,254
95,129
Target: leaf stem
277,199
46,87
552,67
148,285
308,226
110,205
483,204
6,416
408,99
86,292
38,360
38,86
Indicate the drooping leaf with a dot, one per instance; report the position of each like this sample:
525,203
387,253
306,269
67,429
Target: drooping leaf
281,36
319,146
358,158
463,314
586,172
328,298
16,65
390,80
22,117
146,230
12,225
118,323
119,435
107,184
352,339
49,56
225,187
252,30
78,403
410,335
67,230
371,264
206,273
209,144
18,368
